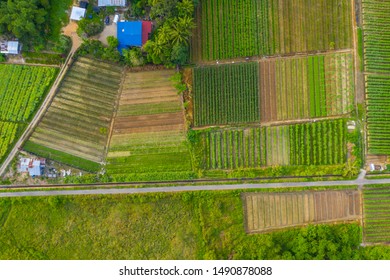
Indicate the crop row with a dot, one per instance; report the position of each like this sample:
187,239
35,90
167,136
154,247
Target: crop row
226,94
318,143
7,137
376,35
22,89
243,28
378,116
77,122
376,214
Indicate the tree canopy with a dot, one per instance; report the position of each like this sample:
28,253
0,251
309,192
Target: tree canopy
24,19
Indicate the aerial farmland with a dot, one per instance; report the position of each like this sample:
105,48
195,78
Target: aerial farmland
267,117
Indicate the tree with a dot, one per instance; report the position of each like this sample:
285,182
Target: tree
112,42
90,26
133,57
180,54
24,19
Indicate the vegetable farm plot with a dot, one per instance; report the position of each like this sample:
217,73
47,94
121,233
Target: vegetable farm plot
230,28
316,143
306,87
378,114
376,35
226,94
266,212
22,89
376,214
149,139
78,121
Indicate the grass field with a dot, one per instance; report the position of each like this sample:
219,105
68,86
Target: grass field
78,121
22,89
226,94
228,29
149,141
199,225
273,211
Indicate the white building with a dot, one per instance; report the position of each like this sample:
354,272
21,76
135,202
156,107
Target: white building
9,47
32,166
77,13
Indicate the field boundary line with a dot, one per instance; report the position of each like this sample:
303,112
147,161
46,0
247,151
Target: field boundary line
115,113
271,57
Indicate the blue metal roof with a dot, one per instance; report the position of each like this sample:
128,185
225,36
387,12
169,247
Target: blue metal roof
129,34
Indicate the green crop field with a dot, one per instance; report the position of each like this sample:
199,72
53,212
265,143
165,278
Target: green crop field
228,29
306,87
376,35
226,94
78,121
315,143
22,89
376,213
378,114
149,140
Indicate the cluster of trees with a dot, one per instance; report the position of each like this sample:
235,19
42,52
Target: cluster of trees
169,44
96,49
175,22
33,22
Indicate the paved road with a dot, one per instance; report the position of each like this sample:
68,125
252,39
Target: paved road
357,182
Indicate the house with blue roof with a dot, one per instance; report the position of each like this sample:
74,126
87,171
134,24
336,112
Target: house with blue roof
132,33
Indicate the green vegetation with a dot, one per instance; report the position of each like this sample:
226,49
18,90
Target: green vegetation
169,43
221,99
250,27
378,116
306,87
376,213
33,22
319,143
81,111
22,89
151,227
43,58
148,141
62,157
376,36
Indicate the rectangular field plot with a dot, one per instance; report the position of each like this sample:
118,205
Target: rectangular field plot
378,114
22,89
376,214
306,87
230,28
226,94
148,141
316,143
78,121
376,31
272,211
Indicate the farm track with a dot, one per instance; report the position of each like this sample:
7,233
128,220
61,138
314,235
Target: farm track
180,186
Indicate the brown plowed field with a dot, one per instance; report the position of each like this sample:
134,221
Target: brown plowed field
268,91
152,88
271,211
